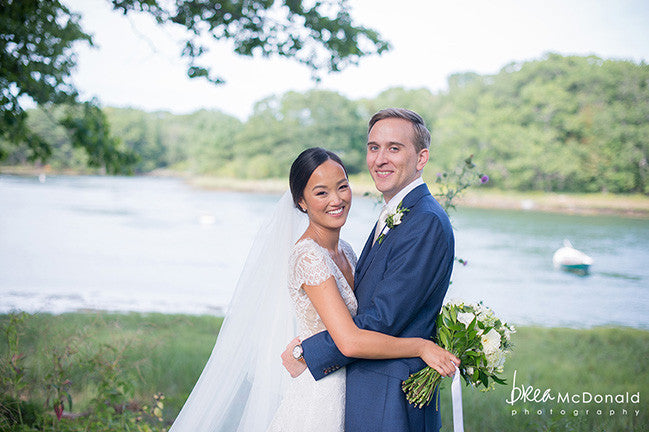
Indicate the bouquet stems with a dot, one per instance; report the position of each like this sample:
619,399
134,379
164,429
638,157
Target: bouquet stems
421,386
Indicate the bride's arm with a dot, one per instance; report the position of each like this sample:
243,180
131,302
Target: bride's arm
359,343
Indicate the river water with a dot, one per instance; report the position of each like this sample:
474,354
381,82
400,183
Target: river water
156,245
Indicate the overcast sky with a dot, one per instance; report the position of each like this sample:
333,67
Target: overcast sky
136,63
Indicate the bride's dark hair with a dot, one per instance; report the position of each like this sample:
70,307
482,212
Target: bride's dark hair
303,167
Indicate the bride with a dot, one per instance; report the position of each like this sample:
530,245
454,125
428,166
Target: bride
243,386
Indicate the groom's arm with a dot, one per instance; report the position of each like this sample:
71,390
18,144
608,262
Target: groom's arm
418,268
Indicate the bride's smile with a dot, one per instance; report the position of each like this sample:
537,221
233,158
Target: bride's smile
337,212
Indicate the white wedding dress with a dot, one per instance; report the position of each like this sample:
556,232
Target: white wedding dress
244,387
309,405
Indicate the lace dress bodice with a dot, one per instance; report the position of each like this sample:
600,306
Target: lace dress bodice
311,264
309,405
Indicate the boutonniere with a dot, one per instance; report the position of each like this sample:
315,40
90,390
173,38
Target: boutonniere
393,219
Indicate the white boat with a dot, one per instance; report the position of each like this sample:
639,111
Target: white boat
572,260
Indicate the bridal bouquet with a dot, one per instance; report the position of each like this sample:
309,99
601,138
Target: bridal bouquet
477,337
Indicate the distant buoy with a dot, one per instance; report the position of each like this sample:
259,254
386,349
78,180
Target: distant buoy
207,219
527,204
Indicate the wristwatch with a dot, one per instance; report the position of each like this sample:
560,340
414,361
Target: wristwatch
297,352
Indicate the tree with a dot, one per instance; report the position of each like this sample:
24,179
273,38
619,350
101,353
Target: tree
283,126
320,35
36,59
36,55
560,123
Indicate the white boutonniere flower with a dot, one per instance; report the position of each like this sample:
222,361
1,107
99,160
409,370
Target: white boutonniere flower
393,219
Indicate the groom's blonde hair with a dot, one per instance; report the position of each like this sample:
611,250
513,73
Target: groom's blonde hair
421,134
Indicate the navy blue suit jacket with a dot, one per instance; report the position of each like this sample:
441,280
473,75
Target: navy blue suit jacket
400,285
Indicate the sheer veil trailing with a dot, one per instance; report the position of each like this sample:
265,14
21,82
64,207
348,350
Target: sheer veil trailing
243,380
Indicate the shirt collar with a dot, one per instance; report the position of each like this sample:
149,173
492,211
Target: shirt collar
394,202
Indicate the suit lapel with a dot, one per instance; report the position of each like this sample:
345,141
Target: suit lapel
370,251
368,260
364,254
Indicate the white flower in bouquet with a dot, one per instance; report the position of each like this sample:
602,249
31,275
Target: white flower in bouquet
490,341
485,315
465,318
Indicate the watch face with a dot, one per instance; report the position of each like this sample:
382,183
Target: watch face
297,351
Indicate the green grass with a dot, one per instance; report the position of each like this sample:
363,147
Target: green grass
161,353
166,353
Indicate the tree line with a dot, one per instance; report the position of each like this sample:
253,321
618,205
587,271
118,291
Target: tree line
558,123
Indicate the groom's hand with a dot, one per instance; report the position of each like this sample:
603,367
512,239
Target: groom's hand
293,366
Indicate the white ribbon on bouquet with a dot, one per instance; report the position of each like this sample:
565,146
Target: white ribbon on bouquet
456,397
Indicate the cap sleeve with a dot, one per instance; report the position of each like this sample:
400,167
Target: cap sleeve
311,265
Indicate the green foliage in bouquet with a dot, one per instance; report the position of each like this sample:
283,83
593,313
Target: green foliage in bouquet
477,337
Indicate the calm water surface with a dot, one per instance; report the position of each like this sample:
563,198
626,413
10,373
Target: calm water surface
151,244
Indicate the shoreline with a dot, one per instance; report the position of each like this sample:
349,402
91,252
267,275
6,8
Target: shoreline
222,313
627,205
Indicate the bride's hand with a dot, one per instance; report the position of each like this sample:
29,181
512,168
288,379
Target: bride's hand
438,358
293,366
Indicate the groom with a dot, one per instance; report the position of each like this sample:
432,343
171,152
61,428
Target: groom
400,281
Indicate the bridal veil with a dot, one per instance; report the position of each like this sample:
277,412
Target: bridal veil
243,381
